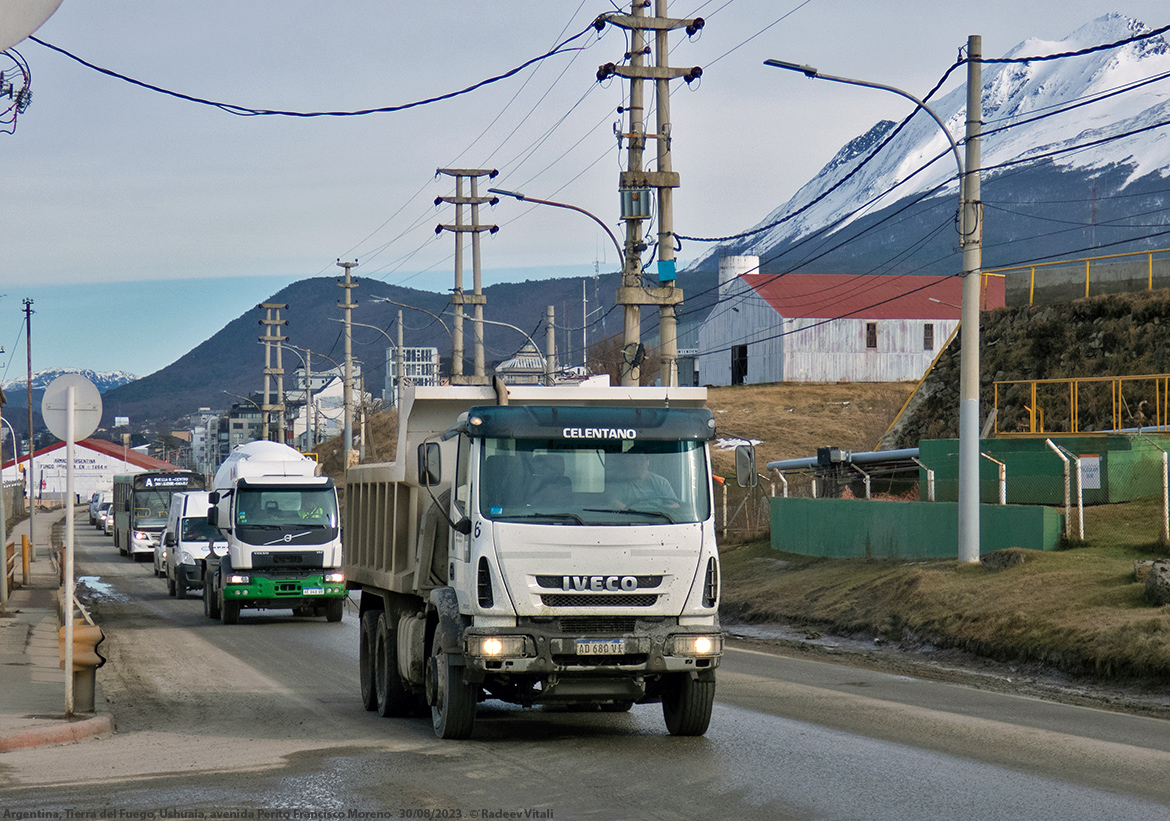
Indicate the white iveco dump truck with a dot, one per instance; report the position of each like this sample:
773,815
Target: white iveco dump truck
283,536
541,546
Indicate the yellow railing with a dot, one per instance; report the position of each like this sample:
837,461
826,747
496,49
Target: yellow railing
1149,255
1122,414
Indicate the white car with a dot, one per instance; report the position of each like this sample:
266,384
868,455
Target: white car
160,557
103,513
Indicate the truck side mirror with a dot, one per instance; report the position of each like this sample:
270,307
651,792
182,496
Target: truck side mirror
213,497
169,539
745,466
430,464
213,516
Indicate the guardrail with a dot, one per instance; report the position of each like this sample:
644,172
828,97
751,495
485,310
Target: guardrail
1088,261
1058,405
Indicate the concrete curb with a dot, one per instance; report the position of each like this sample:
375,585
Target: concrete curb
65,733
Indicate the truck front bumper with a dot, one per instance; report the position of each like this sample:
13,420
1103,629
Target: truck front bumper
277,591
549,647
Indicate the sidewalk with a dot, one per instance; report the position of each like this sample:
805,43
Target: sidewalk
32,683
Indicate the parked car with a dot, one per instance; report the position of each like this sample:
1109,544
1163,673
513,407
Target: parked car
108,523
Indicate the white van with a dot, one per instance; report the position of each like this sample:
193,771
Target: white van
186,540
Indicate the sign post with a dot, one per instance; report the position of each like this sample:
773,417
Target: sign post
72,408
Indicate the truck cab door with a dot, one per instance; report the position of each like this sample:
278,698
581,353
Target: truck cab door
461,509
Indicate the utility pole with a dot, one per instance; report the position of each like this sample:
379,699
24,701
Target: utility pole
272,323
636,184
400,366
550,345
458,297
972,243
32,494
347,385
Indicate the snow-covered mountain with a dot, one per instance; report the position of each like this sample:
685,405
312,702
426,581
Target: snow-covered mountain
1065,200
17,393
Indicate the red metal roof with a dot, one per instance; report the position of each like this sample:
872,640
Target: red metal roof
869,296
132,457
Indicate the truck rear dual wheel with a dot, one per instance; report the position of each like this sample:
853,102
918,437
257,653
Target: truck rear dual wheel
392,697
452,700
367,629
686,704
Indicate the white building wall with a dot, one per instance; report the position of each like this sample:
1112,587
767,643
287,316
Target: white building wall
809,349
93,472
741,317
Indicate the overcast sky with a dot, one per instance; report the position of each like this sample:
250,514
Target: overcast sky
125,212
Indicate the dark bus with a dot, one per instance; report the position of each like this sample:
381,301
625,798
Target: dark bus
142,502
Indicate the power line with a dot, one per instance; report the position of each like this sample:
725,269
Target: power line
244,111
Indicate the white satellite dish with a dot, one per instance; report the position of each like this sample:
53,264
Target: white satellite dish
20,18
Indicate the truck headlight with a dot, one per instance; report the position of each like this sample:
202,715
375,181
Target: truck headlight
140,535
238,578
698,645
186,558
495,646
334,578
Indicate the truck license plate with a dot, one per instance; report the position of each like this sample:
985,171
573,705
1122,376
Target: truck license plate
314,591
601,647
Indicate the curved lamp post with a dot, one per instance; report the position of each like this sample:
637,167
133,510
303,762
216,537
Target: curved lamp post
971,243
579,210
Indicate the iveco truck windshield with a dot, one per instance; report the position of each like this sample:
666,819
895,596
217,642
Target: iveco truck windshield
576,481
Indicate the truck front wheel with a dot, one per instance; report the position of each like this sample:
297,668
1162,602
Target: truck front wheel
230,612
334,609
452,700
393,699
686,704
210,602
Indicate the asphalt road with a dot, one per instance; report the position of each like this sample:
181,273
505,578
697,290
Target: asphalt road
262,720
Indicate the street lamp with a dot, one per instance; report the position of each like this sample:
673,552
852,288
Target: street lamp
523,198
547,360
971,243
310,440
397,347
263,428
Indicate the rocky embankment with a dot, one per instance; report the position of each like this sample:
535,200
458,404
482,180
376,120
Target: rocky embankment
1105,336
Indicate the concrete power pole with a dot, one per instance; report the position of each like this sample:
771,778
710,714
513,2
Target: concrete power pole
458,297
347,384
972,242
272,323
550,346
637,183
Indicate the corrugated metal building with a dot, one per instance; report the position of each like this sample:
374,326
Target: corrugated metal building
828,328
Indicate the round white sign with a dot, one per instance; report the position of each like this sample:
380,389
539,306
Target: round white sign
87,406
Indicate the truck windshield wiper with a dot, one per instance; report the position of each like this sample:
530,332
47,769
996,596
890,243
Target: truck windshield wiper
633,510
563,515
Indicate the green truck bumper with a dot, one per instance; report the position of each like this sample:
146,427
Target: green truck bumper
274,591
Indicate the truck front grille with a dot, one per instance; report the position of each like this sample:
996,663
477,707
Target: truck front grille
601,625
596,600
